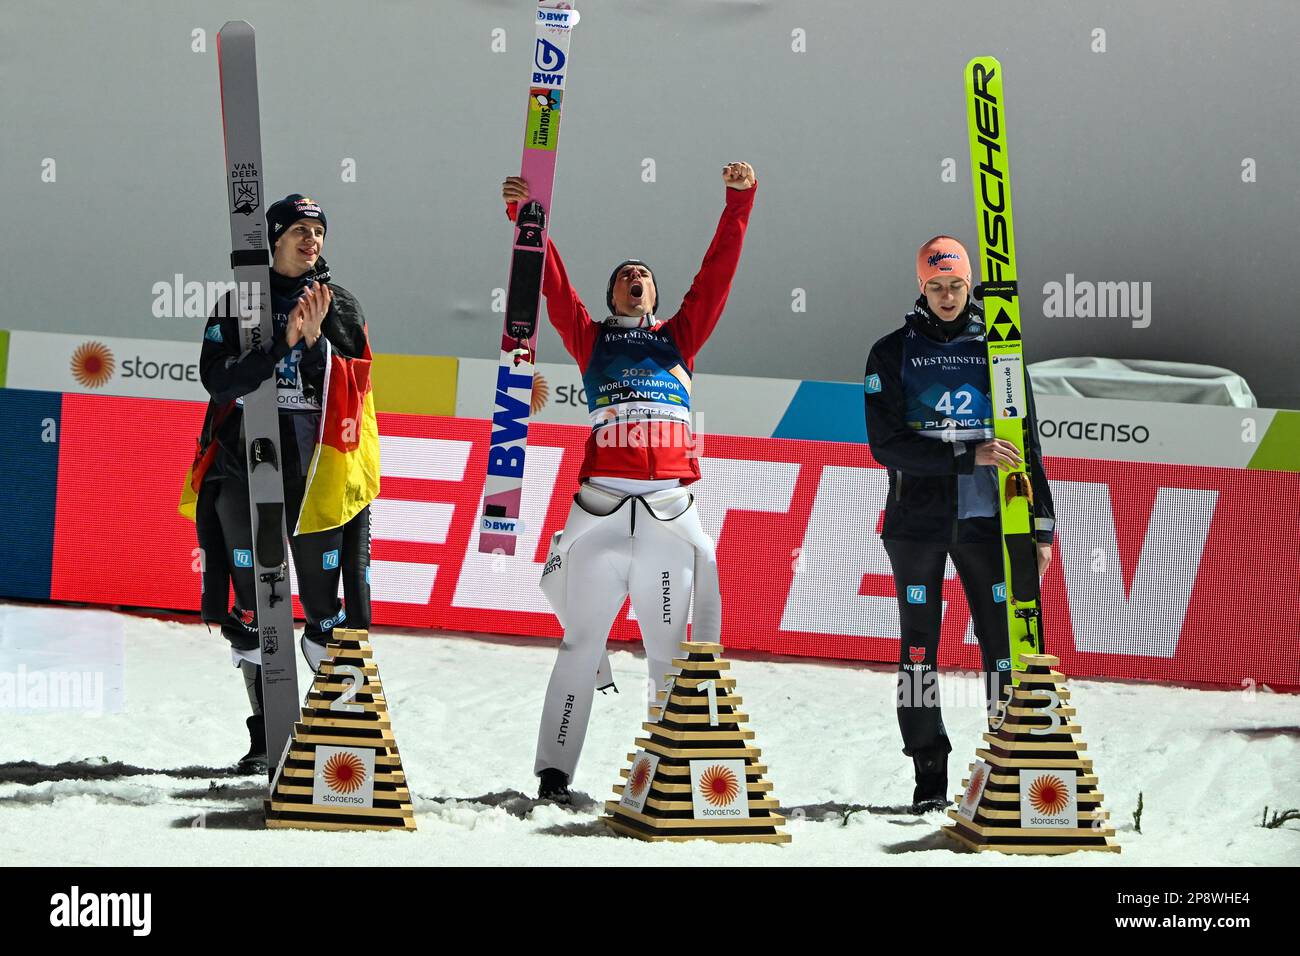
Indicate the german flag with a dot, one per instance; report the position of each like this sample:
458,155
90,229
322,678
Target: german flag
193,479
344,473
203,459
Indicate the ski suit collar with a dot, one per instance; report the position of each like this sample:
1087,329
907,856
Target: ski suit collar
284,286
967,326
633,322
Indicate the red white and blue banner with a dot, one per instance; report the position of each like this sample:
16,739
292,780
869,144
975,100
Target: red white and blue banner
1161,572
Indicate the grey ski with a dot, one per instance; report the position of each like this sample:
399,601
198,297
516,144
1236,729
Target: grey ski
250,258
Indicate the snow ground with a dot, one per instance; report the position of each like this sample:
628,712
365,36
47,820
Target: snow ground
465,713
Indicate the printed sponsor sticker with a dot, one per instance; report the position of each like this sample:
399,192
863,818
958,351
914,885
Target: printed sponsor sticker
979,777
637,789
718,789
1008,387
344,777
1049,799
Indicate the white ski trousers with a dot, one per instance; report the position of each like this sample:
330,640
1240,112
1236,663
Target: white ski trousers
650,547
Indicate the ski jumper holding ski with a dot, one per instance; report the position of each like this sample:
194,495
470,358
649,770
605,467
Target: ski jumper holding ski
320,358
633,529
928,417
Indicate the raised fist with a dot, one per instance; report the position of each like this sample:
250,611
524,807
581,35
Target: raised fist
738,176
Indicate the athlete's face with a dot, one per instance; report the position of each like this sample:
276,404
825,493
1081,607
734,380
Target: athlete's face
946,296
634,291
298,249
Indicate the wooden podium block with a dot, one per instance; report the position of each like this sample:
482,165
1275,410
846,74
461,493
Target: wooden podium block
1034,791
341,769
695,775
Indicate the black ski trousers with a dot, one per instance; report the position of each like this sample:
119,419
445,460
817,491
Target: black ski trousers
918,577
319,560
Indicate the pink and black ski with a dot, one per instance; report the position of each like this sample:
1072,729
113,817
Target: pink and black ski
503,489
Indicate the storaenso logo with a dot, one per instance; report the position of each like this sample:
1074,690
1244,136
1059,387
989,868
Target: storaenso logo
93,365
1094,431
74,909
138,367
992,182
574,395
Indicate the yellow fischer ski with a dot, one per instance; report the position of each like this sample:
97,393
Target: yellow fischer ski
990,176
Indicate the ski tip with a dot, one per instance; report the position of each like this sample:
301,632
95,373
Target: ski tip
569,21
233,28
985,61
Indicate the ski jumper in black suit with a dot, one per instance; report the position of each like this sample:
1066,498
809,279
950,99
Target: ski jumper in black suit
927,403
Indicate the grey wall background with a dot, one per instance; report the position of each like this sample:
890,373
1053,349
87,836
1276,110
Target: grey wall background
1126,165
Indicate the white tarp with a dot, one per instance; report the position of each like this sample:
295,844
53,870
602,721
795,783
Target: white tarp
1144,380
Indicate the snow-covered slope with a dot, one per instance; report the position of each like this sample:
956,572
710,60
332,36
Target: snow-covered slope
465,712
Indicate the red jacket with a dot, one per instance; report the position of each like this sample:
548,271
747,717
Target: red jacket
655,449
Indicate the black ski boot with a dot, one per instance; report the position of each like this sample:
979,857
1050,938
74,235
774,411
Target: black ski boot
254,762
554,786
931,791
